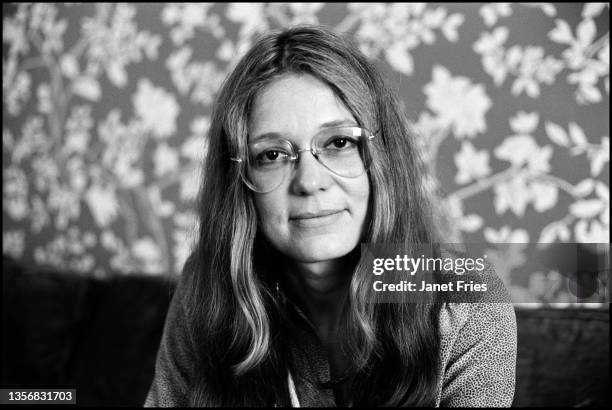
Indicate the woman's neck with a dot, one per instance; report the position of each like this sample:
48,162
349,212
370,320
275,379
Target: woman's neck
321,289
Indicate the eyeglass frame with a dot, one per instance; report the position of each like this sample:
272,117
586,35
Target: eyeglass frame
295,156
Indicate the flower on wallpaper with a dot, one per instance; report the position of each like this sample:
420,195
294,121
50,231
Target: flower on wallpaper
599,156
166,159
578,56
398,28
161,207
204,78
66,203
113,44
15,90
490,47
471,164
78,127
33,140
87,87
457,102
148,254
123,146
38,215
556,231
491,12
513,194
522,149
533,68
187,17
305,13
14,30
43,95
156,108
13,243
506,235
15,193
251,17
103,204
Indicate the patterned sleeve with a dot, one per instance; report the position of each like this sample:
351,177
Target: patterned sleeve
174,361
480,367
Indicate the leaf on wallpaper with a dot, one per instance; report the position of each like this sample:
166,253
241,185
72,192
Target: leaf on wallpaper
39,215
591,10
585,32
103,204
577,135
166,159
524,123
557,134
190,183
471,223
399,58
584,188
591,232
115,72
13,243
161,207
554,232
43,94
544,195
599,157
491,12
15,189
450,26
471,164
69,66
587,208
148,253
562,33
87,87
603,191
506,234
8,141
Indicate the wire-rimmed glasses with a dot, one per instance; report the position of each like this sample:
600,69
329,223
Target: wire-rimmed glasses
342,150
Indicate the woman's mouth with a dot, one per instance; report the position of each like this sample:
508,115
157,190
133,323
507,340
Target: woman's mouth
316,219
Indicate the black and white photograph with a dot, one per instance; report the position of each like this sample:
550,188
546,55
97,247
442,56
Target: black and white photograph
306,204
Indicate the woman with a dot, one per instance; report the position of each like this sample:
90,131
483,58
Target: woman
309,156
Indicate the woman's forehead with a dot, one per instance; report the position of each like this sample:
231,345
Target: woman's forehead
296,104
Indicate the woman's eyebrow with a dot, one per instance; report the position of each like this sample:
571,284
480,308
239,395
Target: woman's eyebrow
339,123
328,124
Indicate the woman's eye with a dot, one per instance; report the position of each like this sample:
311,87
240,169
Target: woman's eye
341,143
271,156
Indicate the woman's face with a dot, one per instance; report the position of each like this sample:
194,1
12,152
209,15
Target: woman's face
314,215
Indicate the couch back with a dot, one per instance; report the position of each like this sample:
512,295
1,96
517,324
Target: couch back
65,330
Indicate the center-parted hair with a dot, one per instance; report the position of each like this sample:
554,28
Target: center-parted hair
239,328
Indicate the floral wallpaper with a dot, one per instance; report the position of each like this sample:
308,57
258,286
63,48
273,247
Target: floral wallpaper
106,108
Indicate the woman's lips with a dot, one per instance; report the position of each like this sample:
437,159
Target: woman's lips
316,219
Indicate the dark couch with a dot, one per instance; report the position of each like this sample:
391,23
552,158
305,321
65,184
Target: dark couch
65,330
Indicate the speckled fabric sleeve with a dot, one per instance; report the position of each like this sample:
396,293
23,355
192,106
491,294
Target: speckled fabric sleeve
174,363
478,351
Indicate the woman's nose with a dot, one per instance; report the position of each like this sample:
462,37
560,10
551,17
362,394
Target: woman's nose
310,175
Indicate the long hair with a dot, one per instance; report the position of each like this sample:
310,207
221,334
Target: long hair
237,323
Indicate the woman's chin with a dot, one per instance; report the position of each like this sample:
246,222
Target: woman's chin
319,251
